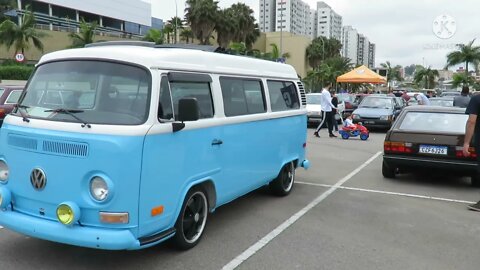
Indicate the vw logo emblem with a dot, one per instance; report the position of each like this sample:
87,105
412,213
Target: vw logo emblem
38,179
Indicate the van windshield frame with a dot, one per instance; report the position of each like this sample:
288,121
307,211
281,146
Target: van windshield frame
106,92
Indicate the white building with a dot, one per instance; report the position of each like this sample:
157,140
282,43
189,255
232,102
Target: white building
122,16
293,16
350,43
329,23
371,55
363,50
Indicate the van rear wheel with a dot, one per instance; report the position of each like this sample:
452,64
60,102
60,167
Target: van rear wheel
192,220
283,184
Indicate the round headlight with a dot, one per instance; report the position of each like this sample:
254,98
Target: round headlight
356,116
65,214
384,117
99,188
4,171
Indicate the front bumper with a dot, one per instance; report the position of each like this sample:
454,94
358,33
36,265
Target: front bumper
112,239
407,162
314,118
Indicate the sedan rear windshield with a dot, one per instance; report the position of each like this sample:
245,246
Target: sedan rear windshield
434,122
314,99
97,92
376,102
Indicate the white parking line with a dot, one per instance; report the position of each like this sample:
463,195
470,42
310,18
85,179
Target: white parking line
389,193
282,227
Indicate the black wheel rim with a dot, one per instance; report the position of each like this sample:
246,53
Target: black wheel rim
194,217
288,174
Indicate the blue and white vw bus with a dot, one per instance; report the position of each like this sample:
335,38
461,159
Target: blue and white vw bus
124,145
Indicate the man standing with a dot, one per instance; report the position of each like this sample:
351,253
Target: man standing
473,128
327,106
462,100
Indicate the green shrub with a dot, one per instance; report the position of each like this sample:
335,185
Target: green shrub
15,72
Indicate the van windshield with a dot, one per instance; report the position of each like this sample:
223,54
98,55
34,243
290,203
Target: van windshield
98,92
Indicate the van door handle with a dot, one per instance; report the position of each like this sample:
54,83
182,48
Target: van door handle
217,142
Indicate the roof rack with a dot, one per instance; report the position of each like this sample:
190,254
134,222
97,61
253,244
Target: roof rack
206,48
121,43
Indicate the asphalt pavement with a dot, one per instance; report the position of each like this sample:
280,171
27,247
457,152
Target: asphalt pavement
342,214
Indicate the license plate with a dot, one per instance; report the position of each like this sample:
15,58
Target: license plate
369,122
432,149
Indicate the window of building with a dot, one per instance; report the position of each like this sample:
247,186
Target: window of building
283,96
64,13
89,17
36,6
242,96
112,23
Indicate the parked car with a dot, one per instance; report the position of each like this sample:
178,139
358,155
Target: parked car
357,99
426,138
314,109
347,100
8,98
450,94
442,101
377,111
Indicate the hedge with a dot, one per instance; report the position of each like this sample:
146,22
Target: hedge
15,72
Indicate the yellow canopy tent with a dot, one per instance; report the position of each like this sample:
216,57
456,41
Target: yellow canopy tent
361,74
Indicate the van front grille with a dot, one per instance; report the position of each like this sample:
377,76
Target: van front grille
303,96
22,142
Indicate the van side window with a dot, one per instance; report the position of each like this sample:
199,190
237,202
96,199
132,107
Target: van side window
242,96
199,90
283,95
165,110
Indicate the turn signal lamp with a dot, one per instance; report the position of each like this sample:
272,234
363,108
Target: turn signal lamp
114,218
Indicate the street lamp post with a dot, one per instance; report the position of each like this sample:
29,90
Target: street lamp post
176,20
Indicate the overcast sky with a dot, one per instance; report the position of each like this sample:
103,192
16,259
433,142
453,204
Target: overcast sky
401,29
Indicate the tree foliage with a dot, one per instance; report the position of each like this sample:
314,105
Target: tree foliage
427,77
393,72
202,15
20,37
85,36
155,35
466,53
322,48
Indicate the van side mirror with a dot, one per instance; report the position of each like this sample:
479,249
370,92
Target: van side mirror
188,110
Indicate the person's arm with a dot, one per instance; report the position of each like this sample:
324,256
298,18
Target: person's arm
469,130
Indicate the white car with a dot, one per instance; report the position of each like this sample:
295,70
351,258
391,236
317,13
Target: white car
314,109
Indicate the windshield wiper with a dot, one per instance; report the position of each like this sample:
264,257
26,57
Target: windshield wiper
72,114
24,116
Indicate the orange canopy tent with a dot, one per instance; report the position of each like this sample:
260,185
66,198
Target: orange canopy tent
361,74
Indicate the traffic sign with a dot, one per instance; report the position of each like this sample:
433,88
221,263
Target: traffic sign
19,57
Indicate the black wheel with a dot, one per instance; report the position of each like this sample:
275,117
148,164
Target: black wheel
283,184
192,220
475,181
388,171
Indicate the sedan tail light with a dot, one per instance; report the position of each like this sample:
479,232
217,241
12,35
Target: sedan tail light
397,147
459,152
2,113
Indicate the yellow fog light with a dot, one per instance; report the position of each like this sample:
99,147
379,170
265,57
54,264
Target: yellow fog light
68,213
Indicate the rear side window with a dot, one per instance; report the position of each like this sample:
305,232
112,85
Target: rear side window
434,122
1,91
199,90
283,96
13,97
242,96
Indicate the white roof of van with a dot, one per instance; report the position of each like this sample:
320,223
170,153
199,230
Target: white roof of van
179,59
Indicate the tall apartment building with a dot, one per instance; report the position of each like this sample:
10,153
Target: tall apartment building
371,55
329,23
350,43
363,49
294,16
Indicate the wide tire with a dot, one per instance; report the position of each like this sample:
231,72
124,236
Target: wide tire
283,184
192,219
388,171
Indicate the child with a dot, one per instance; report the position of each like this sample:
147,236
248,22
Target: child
348,121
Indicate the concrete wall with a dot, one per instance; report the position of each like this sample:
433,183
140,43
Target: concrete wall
53,42
293,44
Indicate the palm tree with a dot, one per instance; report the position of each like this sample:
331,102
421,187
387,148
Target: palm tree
85,36
461,79
244,20
168,30
155,35
252,36
276,52
393,72
238,48
225,27
186,35
20,37
201,15
328,71
322,48
426,75
176,24
466,53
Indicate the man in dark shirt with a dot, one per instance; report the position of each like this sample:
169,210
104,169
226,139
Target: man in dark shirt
472,130
462,100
